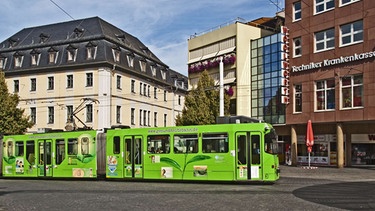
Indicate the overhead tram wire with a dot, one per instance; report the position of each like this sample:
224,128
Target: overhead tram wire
62,9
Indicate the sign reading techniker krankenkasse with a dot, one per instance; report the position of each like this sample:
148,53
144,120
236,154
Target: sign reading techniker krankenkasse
330,62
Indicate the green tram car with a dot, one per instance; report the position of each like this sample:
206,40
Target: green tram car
220,152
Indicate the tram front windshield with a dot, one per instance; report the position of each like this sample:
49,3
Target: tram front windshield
270,142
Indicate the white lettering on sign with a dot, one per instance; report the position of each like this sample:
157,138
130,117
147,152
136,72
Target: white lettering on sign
330,62
285,70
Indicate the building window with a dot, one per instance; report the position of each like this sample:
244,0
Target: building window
165,120
165,95
69,113
155,119
3,61
143,65
346,2
18,59
179,99
33,84
352,91
148,118
72,53
298,98
118,82
163,74
130,58
89,113
33,115
90,51
144,117
140,117
69,81
132,116
116,54
155,93
35,57
324,40
297,47
51,83
148,91
145,89
132,86
153,70
324,5
51,115
89,79
140,88
297,11
118,114
16,86
351,33
52,56
325,95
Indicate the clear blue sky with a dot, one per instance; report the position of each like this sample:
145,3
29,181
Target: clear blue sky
163,25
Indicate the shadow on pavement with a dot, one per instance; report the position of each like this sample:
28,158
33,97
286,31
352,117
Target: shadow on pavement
350,195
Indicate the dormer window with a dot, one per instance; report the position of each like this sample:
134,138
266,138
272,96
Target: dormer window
3,62
72,53
130,58
43,37
145,50
35,57
52,55
91,51
116,51
153,69
143,64
163,74
12,42
18,59
79,32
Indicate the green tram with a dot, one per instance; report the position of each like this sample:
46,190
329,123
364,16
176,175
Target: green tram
221,152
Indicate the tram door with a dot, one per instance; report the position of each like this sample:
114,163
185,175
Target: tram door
44,158
133,157
248,156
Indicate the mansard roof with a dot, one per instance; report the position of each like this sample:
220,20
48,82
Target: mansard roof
79,34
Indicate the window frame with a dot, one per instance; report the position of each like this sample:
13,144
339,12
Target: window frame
352,34
51,115
69,81
352,89
325,40
297,12
297,47
89,113
89,79
347,3
51,83
297,98
326,90
32,84
323,3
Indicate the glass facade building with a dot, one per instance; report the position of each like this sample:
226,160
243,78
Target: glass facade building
266,73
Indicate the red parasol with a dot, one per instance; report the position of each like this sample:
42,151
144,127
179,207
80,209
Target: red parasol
309,138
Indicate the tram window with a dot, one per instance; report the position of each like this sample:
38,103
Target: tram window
30,151
72,146
213,143
241,149
60,151
255,140
10,148
19,148
270,143
158,144
116,145
185,143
